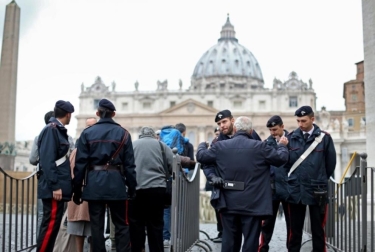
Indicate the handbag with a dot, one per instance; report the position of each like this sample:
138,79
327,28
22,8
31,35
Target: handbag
168,190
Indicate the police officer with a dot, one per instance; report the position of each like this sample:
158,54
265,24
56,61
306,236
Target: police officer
225,122
276,127
105,161
55,182
246,197
308,182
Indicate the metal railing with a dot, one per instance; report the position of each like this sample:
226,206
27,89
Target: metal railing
18,212
185,208
350,217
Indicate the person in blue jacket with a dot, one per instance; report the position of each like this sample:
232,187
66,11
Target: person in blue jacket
308,183
243,175
278,184
105,162
54,177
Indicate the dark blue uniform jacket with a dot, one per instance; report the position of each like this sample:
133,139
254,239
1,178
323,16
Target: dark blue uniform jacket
313,173
52,145
246,160
96,146
278,174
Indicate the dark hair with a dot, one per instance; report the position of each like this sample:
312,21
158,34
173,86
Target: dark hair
311,114
181,127
48,116
60,113
104,112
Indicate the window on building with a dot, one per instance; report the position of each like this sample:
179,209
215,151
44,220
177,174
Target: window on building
147,105
191,137
351,122
237,104
96,103
172,103
353,87
293,101
210,103
125,106
210,137
354,97
262,104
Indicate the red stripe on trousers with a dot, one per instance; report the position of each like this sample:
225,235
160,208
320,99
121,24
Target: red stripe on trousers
261,238
290,226
50,225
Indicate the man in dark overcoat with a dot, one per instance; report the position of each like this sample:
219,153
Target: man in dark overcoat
243,172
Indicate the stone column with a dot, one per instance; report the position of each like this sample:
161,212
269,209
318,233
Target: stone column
368,15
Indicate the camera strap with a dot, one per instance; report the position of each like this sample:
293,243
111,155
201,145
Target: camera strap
306,153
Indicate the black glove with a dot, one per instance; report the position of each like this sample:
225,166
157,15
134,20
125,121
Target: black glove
77,197
131,194
217,181
191,165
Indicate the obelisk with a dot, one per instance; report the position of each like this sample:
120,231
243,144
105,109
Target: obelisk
8,85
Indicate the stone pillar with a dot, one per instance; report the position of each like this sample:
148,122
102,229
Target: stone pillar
8,85
368,15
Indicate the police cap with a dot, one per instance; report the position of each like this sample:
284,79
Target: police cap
222,114
274,120
65,105
104,103
303,111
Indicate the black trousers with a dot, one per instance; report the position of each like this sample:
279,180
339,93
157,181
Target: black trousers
146,211
219,224
119,214
236,225
297,217
53,212
268,226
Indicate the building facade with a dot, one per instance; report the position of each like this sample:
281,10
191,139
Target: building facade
227,76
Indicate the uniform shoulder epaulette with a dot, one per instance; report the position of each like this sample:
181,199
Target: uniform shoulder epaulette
52,125
325,132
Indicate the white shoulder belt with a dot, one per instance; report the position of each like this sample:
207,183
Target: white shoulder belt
61,160
306,153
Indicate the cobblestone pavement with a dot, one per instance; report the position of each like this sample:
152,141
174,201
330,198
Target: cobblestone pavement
277,243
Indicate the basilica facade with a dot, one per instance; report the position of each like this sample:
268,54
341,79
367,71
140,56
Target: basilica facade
227,76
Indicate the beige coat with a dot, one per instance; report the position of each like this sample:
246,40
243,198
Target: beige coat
77,212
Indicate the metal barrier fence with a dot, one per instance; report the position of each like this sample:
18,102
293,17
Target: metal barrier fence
185,208
350,217
18,212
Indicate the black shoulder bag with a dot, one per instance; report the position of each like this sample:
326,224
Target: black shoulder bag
168,191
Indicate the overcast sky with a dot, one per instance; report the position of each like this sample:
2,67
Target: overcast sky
64,43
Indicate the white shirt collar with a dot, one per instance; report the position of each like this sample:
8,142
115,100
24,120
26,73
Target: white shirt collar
60,122
310,132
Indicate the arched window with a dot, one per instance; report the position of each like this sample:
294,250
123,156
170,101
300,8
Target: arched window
210,137
191,137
